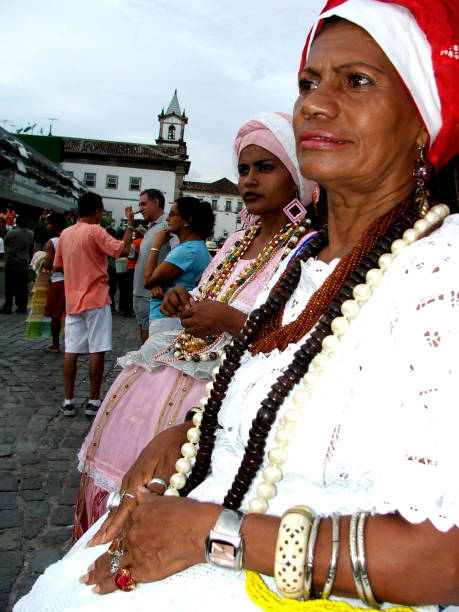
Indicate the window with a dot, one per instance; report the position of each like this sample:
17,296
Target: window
239,205
171,132
214,204
90,179
112,182
135,183
228,206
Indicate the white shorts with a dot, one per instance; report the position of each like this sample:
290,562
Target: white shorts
89,331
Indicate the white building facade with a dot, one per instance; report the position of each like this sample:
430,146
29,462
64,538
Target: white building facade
120,186
226,203
120,171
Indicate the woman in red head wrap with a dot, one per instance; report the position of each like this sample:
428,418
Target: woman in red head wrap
327,453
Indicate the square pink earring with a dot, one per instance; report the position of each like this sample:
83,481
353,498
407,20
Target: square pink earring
294,210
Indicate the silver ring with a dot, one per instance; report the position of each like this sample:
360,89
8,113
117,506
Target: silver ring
158,481
126,494
115,564
113,501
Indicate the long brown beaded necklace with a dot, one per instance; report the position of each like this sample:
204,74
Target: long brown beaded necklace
373,244
273,334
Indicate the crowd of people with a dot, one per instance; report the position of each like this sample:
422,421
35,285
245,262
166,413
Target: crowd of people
296,419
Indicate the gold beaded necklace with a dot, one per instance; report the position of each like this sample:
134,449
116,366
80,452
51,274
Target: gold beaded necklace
191,348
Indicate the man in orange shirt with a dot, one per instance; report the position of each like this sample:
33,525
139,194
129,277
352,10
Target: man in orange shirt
82,253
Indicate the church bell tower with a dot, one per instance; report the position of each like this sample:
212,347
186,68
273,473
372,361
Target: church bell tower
172,129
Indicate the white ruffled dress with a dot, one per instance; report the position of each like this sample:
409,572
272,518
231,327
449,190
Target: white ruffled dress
380,433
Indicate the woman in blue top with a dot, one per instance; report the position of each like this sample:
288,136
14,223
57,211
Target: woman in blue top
192,222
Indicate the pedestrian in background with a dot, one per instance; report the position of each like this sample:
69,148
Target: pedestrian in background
151,206
19,248
55,302
82,254
10,217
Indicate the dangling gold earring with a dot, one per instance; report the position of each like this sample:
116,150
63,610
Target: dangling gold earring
421,173
315,198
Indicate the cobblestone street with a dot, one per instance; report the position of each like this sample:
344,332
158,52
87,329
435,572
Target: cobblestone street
38,446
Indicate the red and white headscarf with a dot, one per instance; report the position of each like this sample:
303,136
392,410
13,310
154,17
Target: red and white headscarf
421,40
274,132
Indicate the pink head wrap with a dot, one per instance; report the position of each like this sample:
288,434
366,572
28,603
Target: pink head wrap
421,39
274,132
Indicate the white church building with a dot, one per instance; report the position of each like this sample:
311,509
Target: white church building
119,171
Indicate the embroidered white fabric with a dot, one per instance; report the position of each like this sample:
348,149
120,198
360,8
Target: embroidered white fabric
379,433
158,341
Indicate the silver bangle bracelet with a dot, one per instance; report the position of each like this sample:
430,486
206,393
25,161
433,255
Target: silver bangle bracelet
354,558
154,250
310,557
362,563
326,592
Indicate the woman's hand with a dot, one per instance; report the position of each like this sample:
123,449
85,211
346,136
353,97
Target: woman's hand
163,536
157,292
157,460
210,317
160,239
175,300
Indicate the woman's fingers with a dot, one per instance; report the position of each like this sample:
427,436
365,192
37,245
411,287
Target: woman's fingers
103,528
110,528
98,571
100,577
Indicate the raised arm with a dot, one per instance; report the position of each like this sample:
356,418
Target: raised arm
163,273
127,237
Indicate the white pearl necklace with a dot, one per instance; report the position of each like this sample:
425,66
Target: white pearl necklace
272,472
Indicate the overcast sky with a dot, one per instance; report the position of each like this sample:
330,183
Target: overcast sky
105,68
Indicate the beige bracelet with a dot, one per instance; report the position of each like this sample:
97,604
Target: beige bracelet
291,548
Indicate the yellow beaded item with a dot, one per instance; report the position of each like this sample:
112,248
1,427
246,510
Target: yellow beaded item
261,595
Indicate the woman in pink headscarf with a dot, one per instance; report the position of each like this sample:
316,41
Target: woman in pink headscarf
328,450
162,381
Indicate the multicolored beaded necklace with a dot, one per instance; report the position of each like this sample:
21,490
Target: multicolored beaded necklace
393,234
192,348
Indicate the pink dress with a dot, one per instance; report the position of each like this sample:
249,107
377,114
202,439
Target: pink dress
147,398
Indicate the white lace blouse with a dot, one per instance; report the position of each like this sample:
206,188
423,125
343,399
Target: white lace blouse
380,433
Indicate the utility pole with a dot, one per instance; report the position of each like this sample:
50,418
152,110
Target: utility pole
52,120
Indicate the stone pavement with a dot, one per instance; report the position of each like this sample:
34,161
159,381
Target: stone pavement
38,446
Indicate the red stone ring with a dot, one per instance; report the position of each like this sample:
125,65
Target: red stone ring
124,580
